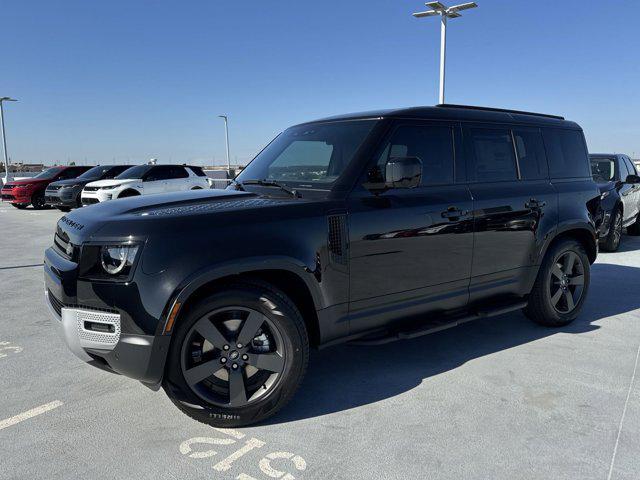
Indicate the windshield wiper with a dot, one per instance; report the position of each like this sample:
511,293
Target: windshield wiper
270,183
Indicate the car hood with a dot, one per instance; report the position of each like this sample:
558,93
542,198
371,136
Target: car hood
112,182
28,181
70,181
138,215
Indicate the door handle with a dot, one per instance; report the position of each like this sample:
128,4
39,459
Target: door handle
533,203
453,212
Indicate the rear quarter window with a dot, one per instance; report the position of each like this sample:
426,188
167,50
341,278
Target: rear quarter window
566,153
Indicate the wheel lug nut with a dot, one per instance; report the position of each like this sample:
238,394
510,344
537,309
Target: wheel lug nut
239,345
245,357
234,366
223,360
226,347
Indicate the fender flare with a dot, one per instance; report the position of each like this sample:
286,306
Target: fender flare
237,267
569,227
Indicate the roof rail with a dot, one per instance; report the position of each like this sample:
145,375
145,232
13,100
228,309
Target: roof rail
503,110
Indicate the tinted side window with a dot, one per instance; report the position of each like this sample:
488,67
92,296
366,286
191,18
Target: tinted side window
157,173
531,156
622,168
177,172
433,145
115,171
198,171
69,173
567,153
492,155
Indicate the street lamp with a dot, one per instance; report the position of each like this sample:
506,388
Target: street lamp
226,135
445,12
4,140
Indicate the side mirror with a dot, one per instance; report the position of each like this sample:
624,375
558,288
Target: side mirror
403,172
632,179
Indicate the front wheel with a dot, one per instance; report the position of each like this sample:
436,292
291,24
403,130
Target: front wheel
19,206
37,201
634,228
612,241
238,356
562,284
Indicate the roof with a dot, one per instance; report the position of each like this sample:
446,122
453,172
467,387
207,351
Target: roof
459,112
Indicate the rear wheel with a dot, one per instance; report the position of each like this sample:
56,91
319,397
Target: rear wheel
19,206
237,357
612,241
562,284
37,201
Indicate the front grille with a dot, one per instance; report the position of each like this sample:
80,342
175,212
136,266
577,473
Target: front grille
91,189
55,303
64,247
90,201
7,197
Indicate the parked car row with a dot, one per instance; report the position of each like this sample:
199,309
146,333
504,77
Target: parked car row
67,187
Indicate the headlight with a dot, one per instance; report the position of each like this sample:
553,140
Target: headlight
604,195
118,259
110,187
26,185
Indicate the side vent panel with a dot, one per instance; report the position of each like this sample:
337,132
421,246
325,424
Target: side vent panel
337,241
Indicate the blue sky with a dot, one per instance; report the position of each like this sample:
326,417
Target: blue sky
130,80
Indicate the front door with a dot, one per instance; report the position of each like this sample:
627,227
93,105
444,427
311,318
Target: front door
410,249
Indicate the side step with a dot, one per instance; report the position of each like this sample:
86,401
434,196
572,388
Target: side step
435,326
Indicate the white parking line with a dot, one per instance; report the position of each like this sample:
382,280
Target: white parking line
34,412
624,412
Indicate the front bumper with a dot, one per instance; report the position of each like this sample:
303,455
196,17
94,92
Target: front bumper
63,197
96,335
16,195
89,198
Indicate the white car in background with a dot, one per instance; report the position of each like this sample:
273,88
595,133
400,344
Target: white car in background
145,180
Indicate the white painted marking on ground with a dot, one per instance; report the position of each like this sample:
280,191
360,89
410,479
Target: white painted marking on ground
7,346
224,465
624,412
34,412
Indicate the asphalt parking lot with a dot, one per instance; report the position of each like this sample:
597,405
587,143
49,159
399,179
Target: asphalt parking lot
499,398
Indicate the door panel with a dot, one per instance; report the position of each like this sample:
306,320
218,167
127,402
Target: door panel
404,249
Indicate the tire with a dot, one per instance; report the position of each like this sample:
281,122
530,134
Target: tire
210,400
129,193
634,228
611,242
549,304
19,206
37,201
64,209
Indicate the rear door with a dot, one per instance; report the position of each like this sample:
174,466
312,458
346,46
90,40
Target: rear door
177,179
514,206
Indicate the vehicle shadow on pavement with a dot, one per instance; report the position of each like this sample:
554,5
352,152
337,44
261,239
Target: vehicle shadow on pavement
346,377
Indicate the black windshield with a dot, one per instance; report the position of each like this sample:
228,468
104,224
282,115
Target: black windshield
312,154
49,173
95,172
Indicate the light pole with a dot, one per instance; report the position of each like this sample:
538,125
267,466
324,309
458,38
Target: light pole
445,12
226,135
4,139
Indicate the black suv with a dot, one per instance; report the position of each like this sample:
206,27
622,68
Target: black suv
619,185
366,227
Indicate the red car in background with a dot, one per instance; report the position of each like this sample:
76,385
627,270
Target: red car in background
21,193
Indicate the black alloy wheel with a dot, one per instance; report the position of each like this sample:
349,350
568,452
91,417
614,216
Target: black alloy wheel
562,284
237,356
612,240
233,356
567,282
37,201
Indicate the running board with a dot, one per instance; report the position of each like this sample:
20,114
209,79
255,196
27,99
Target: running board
436,326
